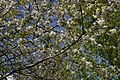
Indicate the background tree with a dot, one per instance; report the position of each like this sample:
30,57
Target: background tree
59,39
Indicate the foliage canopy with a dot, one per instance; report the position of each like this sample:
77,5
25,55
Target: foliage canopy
60,39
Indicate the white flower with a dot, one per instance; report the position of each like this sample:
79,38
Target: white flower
83,11
38,23
72,72
52,33
18,28
44,3
49,11
61,8
92,39
106,8
109,8
20,39
95,16
97,11
59,22
100,21
113,31
68,67
99,45
34,53
40,67
114,47
36,39
35,12
117,1
69,21
10,78
73,6
69,6
113,67
90,6
23,49
105,26
86,37
9,22
103,9
47,22
61,31
115,59
103,69
119,70
29,27
74,50
89,64
16,20
83,59
62,12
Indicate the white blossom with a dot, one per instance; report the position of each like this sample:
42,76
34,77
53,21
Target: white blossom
90,6
100,21
49,11
117,1
105,26
74,50
68,67
72,72
83,11
20,39
83,59
99,45
9,22
36,39
85,37
106,8
10,78
73,6
102,31
29,27
103,69
35,12
95,16
69,6
113,67
97,11
62,31
92,39
61,8
44,3
52,33
113,31
89,64
103,9
69,21
62,12
38,23
114,47
115,59
47,22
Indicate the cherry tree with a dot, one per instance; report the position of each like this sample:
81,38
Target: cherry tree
59,39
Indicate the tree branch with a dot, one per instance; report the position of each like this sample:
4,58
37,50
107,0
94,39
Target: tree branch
32,65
